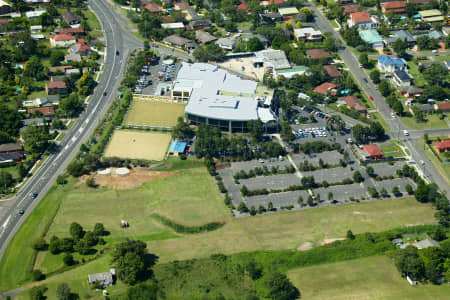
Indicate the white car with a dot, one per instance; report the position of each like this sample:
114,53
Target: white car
405,132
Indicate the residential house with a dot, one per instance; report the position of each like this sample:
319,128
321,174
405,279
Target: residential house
443,146
411,91
41,102
204,37
61,69
425,108
326,88
5,8
431,16
308,34
179,41
291,71
71,18
271,17
443,106
372,37
388,64
226,43
36,121
332,71
242,6
401,78
318,54
349,9
62,40
45,111
104,278
402,35
248,36
419,2
396,7
353,102
71,30
3,22
34,14
81,49
288,11
183,6
345,2
363,20
173,26
427,243
35,28
10,152
428,63
271,59
153,8
71,57
199,24
372,152
38,2
266,3
55,88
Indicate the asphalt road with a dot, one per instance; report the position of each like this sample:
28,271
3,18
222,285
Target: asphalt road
396,125
117,39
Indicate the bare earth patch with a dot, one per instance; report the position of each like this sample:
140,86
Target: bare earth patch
132,180
305,246
329,241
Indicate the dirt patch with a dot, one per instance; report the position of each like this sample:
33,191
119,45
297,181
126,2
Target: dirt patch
133,180
329,241
305,246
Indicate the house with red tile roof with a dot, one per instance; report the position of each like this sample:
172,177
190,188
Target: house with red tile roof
45,111
443,146
71,31
153,7
55,87
397,7
326,88
353,102
363,20
317,53
62,40
332,71
372,152
349,9
443,106
80,48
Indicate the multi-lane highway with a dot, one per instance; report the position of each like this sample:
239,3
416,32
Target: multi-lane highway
118,45
396,125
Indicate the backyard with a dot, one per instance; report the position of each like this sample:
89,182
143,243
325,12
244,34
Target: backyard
363,279
154,114
138,145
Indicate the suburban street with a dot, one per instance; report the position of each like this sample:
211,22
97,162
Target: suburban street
383,108
117,39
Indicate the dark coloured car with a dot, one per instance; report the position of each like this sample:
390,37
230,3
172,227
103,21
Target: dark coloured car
21,212
34,196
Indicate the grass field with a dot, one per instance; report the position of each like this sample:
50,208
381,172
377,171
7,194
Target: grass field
433,122
154,114
138,145
391,149
293,229
444,170
363,279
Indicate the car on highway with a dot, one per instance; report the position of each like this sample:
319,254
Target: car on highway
405,132
34,195
371,98
117,52
104,93
21,212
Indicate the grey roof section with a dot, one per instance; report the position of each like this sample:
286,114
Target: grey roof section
402,75
226,43
273,58
402,34
437,35
204,37
217,94
104,278
427,243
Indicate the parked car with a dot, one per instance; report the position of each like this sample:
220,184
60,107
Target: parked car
371,98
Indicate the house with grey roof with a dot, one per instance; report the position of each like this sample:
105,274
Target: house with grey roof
271,59
179,41
401,78
427,243
226,43
104,278
204,37
402,35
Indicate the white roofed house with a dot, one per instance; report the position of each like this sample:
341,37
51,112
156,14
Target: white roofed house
308,34
218,98
226,43
34,14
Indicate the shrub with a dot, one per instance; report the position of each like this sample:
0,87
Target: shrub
68,259
37,275
242,208
252,211
40,244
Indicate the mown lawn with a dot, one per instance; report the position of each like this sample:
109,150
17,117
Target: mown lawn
444,170
363,279
433,122
289,230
